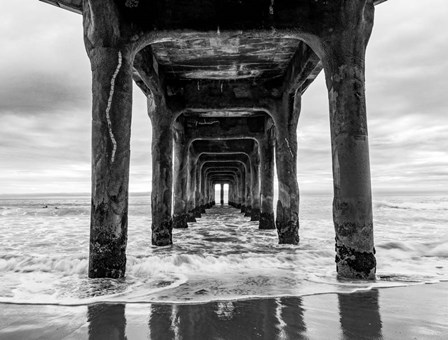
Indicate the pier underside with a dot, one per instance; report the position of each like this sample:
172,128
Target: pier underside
224,82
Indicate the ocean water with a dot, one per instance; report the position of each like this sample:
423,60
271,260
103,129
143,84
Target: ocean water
44,253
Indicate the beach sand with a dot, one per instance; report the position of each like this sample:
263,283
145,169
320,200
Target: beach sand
413,312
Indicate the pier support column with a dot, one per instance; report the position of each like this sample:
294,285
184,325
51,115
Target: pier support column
286,118
238,189
111,63
111,132
212,186
203,191
344,64
230,200
191,185
248,189
267,181
197,193
162,174
210,193
222,194
243,189
180,178
255,212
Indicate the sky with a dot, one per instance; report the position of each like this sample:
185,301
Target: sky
45,104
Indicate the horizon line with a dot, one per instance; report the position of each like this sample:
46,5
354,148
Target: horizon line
148,193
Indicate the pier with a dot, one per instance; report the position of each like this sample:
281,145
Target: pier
224,82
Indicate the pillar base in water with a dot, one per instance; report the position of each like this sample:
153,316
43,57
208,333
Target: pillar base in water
162,235
248,211
107,260
288,232
243,208
180,221
255,215
190,217
266,221
197,212
202,209
353,264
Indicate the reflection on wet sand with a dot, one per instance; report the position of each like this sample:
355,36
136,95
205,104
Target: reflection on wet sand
106,321
266,319
280,318
360,315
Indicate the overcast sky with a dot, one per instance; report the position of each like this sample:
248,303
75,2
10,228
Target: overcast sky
45,104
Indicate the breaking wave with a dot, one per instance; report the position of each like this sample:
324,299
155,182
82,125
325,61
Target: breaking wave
44,257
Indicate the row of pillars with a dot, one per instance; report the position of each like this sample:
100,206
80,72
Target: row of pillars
251,184
342,51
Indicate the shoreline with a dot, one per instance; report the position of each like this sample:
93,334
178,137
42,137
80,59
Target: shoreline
416,311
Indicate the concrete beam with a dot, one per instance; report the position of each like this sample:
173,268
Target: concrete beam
304,65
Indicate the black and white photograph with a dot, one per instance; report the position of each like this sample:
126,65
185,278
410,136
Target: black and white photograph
223,169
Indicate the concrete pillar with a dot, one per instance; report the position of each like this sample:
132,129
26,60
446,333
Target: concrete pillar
203,196
239,188
191,184
233,190
287,220
111,132
197,193
209,195
222,194
267,180
243,189
162,174
111,64
180,215
255,212
344,64
229,195
248,189
206,196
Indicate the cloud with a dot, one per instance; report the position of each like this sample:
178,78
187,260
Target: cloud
44,66
45,104
36,93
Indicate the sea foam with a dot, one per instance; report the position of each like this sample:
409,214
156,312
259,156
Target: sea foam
44,254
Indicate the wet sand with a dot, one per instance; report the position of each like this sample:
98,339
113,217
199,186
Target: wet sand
414,312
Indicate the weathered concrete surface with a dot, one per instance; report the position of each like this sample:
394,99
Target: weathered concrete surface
287,219
111,65
267,180
191,185
180,215
111,124
162,174
255,183
343,59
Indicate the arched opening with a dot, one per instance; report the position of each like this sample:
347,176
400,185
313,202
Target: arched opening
222,193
